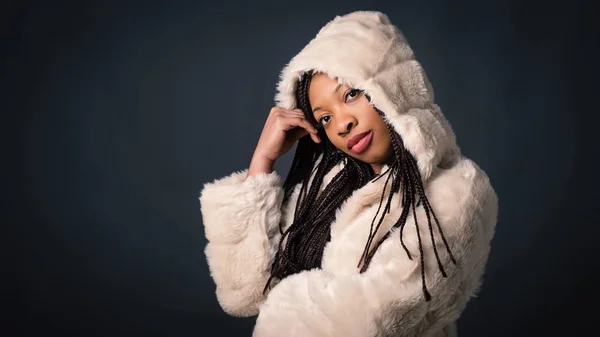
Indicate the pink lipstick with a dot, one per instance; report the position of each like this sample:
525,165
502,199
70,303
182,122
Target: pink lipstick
359,142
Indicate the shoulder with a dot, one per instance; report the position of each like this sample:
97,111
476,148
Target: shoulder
463,200
462,184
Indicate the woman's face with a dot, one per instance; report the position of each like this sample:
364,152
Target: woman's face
347,116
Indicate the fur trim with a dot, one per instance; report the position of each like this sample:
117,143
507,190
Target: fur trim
241,216
233,199
387,299
241,221
364,50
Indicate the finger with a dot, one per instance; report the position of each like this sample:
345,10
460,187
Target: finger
285,115
313,132
275,110
301,122
315,137
308,126
292,113
298,133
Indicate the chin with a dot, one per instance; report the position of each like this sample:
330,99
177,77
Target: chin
365,157
369,156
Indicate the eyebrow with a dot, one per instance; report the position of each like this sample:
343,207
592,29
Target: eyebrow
336,90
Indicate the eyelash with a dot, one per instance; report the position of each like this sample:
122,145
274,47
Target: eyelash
357,91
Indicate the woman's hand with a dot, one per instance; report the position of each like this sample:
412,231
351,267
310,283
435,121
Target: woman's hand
281,130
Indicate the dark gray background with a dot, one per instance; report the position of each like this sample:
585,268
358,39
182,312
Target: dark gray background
115,115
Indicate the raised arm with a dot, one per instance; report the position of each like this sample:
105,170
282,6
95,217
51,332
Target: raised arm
242,214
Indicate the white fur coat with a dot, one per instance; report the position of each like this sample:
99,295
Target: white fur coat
242,216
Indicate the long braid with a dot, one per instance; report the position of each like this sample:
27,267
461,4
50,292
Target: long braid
306,237
371,231
314,212
412,185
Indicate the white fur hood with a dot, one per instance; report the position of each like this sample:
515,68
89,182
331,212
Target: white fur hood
366,51
242,216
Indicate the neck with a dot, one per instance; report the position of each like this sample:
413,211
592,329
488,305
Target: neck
378,166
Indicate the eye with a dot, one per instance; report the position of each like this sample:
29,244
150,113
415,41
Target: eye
323,120
352,93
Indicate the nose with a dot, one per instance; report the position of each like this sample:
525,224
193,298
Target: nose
345,123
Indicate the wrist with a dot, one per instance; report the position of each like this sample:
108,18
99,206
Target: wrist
260,164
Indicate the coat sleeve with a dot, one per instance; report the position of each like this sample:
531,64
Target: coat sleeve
387,299
241,221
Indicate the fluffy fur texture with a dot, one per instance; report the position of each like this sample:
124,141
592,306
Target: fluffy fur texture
365,51
241,216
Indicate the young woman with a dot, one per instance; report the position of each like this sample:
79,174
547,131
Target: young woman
381,228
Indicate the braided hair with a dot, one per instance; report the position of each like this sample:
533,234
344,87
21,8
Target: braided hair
302,244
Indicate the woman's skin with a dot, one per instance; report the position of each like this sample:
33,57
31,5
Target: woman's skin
342,111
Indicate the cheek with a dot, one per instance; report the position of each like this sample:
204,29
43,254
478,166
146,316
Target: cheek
385,138
339,143
336,141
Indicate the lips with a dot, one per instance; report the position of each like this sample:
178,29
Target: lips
356,138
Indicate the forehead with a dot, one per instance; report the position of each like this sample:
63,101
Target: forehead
323,78
323,86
